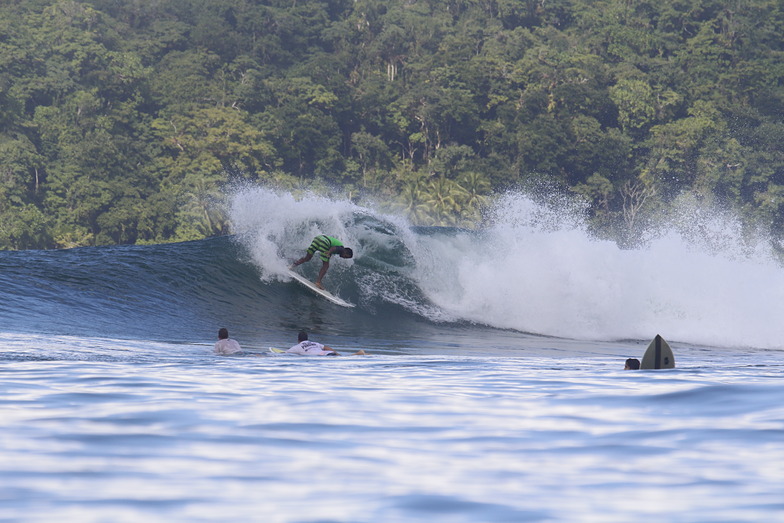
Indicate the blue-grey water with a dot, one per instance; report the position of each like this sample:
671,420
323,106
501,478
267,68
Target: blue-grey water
499,402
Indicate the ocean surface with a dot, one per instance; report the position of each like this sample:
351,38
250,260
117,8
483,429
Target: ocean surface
493,388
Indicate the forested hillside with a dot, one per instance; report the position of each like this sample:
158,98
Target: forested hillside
126,121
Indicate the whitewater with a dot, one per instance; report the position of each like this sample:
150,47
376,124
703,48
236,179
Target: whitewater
536,268
493,390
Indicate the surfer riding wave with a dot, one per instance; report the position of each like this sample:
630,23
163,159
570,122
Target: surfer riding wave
327,246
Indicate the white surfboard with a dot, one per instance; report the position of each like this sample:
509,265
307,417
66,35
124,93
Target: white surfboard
658,355
326,294
274,350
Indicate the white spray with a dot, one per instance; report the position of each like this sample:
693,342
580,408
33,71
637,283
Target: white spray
537,269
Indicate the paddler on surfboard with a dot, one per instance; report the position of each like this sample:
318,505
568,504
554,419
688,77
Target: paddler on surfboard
327,246
305,347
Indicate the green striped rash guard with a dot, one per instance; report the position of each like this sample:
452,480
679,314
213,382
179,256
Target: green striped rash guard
323,244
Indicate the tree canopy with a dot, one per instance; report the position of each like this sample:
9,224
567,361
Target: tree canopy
124,122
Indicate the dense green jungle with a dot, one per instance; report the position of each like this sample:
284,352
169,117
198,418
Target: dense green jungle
129,121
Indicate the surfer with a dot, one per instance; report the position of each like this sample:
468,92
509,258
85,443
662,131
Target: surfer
327,246
632,364
306,347
226,346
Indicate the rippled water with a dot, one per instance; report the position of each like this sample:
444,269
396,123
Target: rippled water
103,430
113,407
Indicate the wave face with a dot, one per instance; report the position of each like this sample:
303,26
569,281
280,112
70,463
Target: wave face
534,269
537,269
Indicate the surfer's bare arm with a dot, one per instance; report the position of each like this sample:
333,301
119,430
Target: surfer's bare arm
327,347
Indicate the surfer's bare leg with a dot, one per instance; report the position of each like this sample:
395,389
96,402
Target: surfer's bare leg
322,272
302,260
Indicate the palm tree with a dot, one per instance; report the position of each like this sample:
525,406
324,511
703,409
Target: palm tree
442,200
475,187
411,201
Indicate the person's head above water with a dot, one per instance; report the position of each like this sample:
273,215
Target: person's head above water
346,253
632,364
302,336
223,333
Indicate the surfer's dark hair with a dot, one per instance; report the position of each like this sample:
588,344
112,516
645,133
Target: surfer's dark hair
302,336
633,363
223,333
347,252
